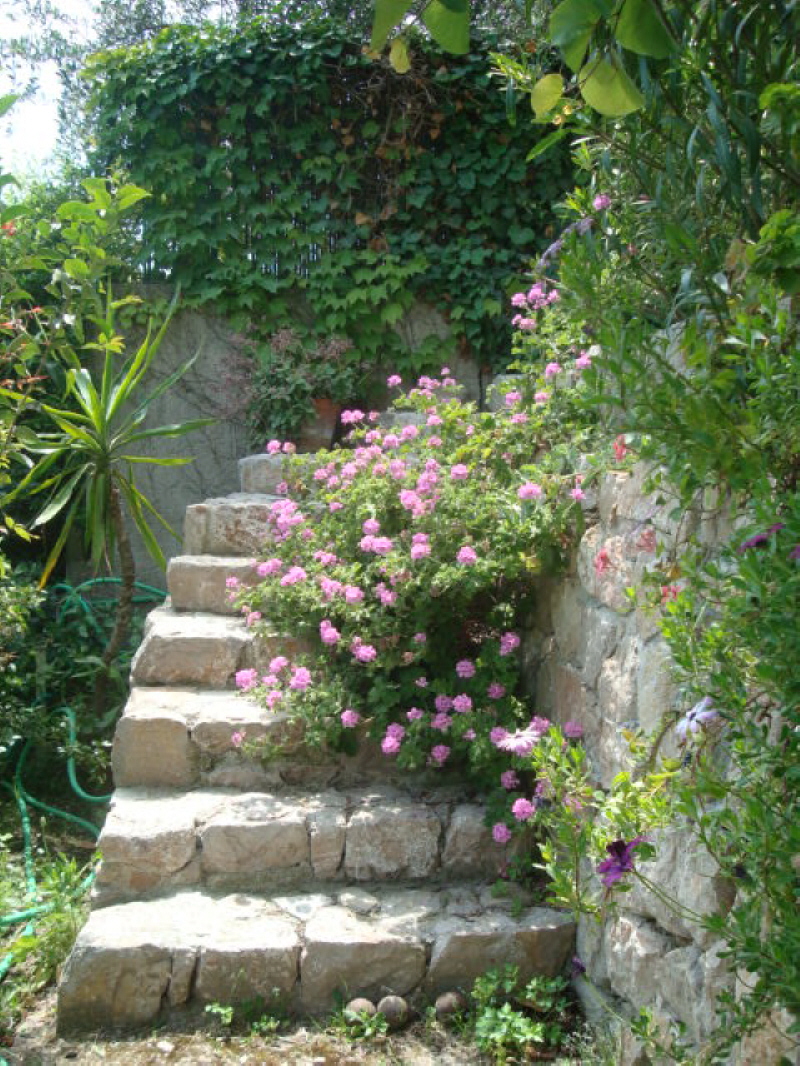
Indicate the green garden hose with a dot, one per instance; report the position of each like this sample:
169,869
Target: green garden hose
24,800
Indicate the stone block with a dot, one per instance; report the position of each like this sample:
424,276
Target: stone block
198,582
255,835
469,850
683,871
228,525
347,955
236,966
569,694
538,942
326,829
114,987
132,959
392,839
607,585
569,622
148,842
262,473
152,746
616,686
633,950
655,687
191,649
601,635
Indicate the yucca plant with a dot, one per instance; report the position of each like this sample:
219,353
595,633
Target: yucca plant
87,463
84,467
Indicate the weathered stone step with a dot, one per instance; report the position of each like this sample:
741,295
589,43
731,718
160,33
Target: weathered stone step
175,737
261,473
154,840
198,582
136,962
227,525
183,737
195,648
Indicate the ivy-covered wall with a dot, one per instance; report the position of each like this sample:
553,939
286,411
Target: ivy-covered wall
285,162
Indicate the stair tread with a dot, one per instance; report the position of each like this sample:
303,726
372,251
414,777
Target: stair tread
133,960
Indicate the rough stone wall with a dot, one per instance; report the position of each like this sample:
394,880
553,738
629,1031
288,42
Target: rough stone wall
215,449
592,656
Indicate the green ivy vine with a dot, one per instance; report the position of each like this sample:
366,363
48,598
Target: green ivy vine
298,181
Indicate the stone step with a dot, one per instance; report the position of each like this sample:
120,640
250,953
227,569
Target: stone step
153,840
198,582
170,737
261,473
195,648
183,737
228,525
135,963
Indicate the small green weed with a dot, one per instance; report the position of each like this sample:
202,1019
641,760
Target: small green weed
512,1016
359,1025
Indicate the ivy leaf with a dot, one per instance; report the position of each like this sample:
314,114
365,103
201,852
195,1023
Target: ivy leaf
388,13
607,88
448,24
640,29
571,26
399,57
546,93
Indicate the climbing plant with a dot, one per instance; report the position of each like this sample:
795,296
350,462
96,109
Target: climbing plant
297,179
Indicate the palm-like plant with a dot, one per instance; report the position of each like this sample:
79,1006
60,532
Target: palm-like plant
86,465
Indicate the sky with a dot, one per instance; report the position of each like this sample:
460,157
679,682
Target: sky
29,131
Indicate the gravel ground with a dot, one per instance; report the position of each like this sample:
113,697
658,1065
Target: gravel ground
37,1044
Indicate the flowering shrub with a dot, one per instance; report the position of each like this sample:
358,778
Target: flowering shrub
403,562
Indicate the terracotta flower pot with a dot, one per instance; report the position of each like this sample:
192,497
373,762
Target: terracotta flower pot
318,431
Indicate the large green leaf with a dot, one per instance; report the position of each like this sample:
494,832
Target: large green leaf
546,93
448,25
388,14
58,547
571,26
177,429
640,29
607,88
60,499
81,382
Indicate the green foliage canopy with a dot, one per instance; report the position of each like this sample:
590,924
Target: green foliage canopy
278,159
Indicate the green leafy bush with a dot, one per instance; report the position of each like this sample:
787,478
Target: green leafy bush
403,565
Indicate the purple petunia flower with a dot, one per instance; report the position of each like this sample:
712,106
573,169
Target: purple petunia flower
619,861
760,538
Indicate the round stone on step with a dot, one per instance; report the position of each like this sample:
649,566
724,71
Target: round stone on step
450,1004
395,1011
357,1008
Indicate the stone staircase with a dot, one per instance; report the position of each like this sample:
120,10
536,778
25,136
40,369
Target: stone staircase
296,882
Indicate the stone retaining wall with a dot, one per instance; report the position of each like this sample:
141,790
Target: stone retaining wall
592,656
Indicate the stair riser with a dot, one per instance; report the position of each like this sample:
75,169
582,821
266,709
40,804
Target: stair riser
227,526
203,649
199,583
185,738
134,964
288,843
